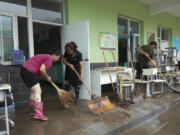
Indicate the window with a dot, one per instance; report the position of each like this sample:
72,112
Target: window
134,27
163,34
13,6
122,26
47,11
164,38
134,38
6,37
129,31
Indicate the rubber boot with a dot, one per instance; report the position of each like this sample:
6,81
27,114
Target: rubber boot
31,106
77,95
38,111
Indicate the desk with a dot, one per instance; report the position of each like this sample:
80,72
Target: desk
4,88
100,77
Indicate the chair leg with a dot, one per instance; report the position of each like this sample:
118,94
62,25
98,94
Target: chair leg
6,114
148,93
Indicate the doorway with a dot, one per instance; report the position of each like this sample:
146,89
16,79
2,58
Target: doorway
23,36
47,38
128,35
122,47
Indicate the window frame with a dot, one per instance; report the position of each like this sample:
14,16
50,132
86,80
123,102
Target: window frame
30,22
129,34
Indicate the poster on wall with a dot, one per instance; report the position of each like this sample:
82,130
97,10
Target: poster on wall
176,44
107,41
150,37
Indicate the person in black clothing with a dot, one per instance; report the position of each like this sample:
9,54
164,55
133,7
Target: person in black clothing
142,57
73,60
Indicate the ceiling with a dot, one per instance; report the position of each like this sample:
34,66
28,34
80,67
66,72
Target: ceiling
159,6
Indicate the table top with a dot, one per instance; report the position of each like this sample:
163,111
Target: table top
173,74
104,69
141,81
5,87
148,81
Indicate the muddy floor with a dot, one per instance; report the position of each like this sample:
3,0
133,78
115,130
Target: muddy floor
76,120
164,124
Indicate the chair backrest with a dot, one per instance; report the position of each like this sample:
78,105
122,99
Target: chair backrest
1,96
150,71
150,74
4,77
126,76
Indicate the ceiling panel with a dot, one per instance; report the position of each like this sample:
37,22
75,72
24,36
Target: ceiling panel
170,6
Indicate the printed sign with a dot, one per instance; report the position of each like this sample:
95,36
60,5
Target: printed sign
107,41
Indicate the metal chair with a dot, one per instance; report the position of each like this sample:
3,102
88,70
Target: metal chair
155,80
5,93
127,83
4,88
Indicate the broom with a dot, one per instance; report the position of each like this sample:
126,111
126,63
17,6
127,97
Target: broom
65,97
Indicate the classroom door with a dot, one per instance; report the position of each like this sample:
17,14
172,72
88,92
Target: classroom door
79,33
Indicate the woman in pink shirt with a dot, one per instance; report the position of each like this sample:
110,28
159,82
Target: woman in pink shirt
30,72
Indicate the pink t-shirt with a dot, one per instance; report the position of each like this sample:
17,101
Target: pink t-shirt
33,64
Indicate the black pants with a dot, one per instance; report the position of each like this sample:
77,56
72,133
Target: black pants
139,67
28,78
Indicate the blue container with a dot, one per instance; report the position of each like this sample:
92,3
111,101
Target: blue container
17,57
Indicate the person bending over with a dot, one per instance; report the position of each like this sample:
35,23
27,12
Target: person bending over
142,57
30,72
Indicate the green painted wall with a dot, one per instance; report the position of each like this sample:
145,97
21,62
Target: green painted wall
102,16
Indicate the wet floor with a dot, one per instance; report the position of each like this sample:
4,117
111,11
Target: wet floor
75,121
165,124
78,120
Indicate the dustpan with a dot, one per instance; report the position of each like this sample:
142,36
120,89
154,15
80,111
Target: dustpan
99,105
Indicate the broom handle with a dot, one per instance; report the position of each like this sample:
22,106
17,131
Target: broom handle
156,67
115,60
120,88
55,86
132,65
109,72
82,81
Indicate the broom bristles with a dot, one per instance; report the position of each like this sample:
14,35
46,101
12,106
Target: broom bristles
64,96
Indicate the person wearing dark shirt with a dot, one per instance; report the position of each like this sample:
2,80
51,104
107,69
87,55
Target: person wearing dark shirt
142,57
73,60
